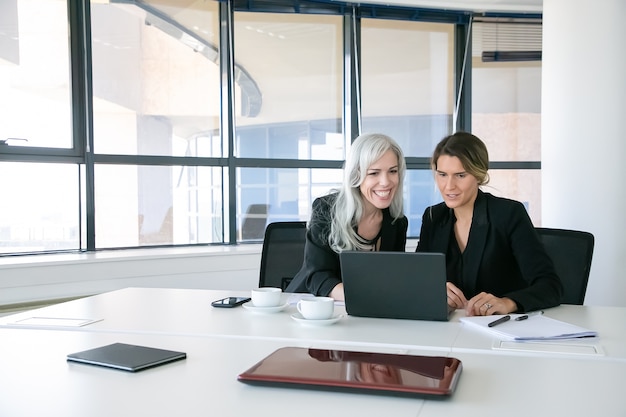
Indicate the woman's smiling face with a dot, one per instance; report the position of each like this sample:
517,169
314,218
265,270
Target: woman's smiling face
381,181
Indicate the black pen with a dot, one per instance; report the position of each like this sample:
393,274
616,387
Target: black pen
499,321
525,316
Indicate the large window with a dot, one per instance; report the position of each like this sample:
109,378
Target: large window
160,122
40,206
156,78
408,93
156,92
506,105
295,61
34,74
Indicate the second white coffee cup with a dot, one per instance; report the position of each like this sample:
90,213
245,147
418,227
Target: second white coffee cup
316,308
266,297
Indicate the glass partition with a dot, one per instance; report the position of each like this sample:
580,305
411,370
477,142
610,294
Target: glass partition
296,60
35,74
156,78
39,208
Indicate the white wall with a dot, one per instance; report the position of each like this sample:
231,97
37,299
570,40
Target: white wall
47,277
583,143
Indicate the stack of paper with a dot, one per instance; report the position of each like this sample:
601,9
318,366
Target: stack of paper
536,327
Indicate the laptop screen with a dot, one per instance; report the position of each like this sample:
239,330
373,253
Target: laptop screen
399,285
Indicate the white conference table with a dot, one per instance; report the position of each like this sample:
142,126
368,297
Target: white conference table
37,381
185,312
189,313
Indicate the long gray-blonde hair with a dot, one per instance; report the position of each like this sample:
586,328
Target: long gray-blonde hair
348,206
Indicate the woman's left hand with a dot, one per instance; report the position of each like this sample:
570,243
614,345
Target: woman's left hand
485,304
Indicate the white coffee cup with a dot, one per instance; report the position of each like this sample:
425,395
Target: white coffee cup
266,297
316,308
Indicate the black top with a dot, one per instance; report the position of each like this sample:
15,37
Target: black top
320,271
503,256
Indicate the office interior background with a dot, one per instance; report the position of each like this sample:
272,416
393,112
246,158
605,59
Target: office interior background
182,127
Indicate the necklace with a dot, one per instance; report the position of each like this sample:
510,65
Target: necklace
369,242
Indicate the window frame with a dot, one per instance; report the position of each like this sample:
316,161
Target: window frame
81,153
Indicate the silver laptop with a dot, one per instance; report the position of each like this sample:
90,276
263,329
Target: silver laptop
398,285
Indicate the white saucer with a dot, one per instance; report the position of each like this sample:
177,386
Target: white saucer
326,322
256,309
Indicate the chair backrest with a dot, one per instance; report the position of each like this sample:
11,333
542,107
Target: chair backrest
282,254
571,252
254,221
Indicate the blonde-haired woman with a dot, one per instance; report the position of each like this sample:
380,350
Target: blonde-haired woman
366,213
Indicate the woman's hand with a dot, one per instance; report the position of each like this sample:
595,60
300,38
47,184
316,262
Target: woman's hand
485,304
337,293
456,298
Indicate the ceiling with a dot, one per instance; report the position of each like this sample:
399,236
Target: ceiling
522,6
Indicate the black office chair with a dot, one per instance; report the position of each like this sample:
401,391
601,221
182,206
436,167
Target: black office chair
282,254
254,221
572,252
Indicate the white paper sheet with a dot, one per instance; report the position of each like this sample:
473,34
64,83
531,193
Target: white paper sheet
537,327
54,321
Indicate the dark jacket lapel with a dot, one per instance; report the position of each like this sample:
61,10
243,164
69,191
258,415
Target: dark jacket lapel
443,220
473,254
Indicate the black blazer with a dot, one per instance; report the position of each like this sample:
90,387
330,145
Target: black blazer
320,271
503,256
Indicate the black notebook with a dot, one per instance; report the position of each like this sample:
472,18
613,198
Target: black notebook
126,357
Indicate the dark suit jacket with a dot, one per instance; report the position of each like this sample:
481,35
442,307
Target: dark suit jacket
504,255
320,271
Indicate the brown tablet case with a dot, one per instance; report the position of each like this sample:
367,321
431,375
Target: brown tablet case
340,370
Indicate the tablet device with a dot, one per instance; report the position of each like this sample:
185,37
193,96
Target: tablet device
372,373
126,357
